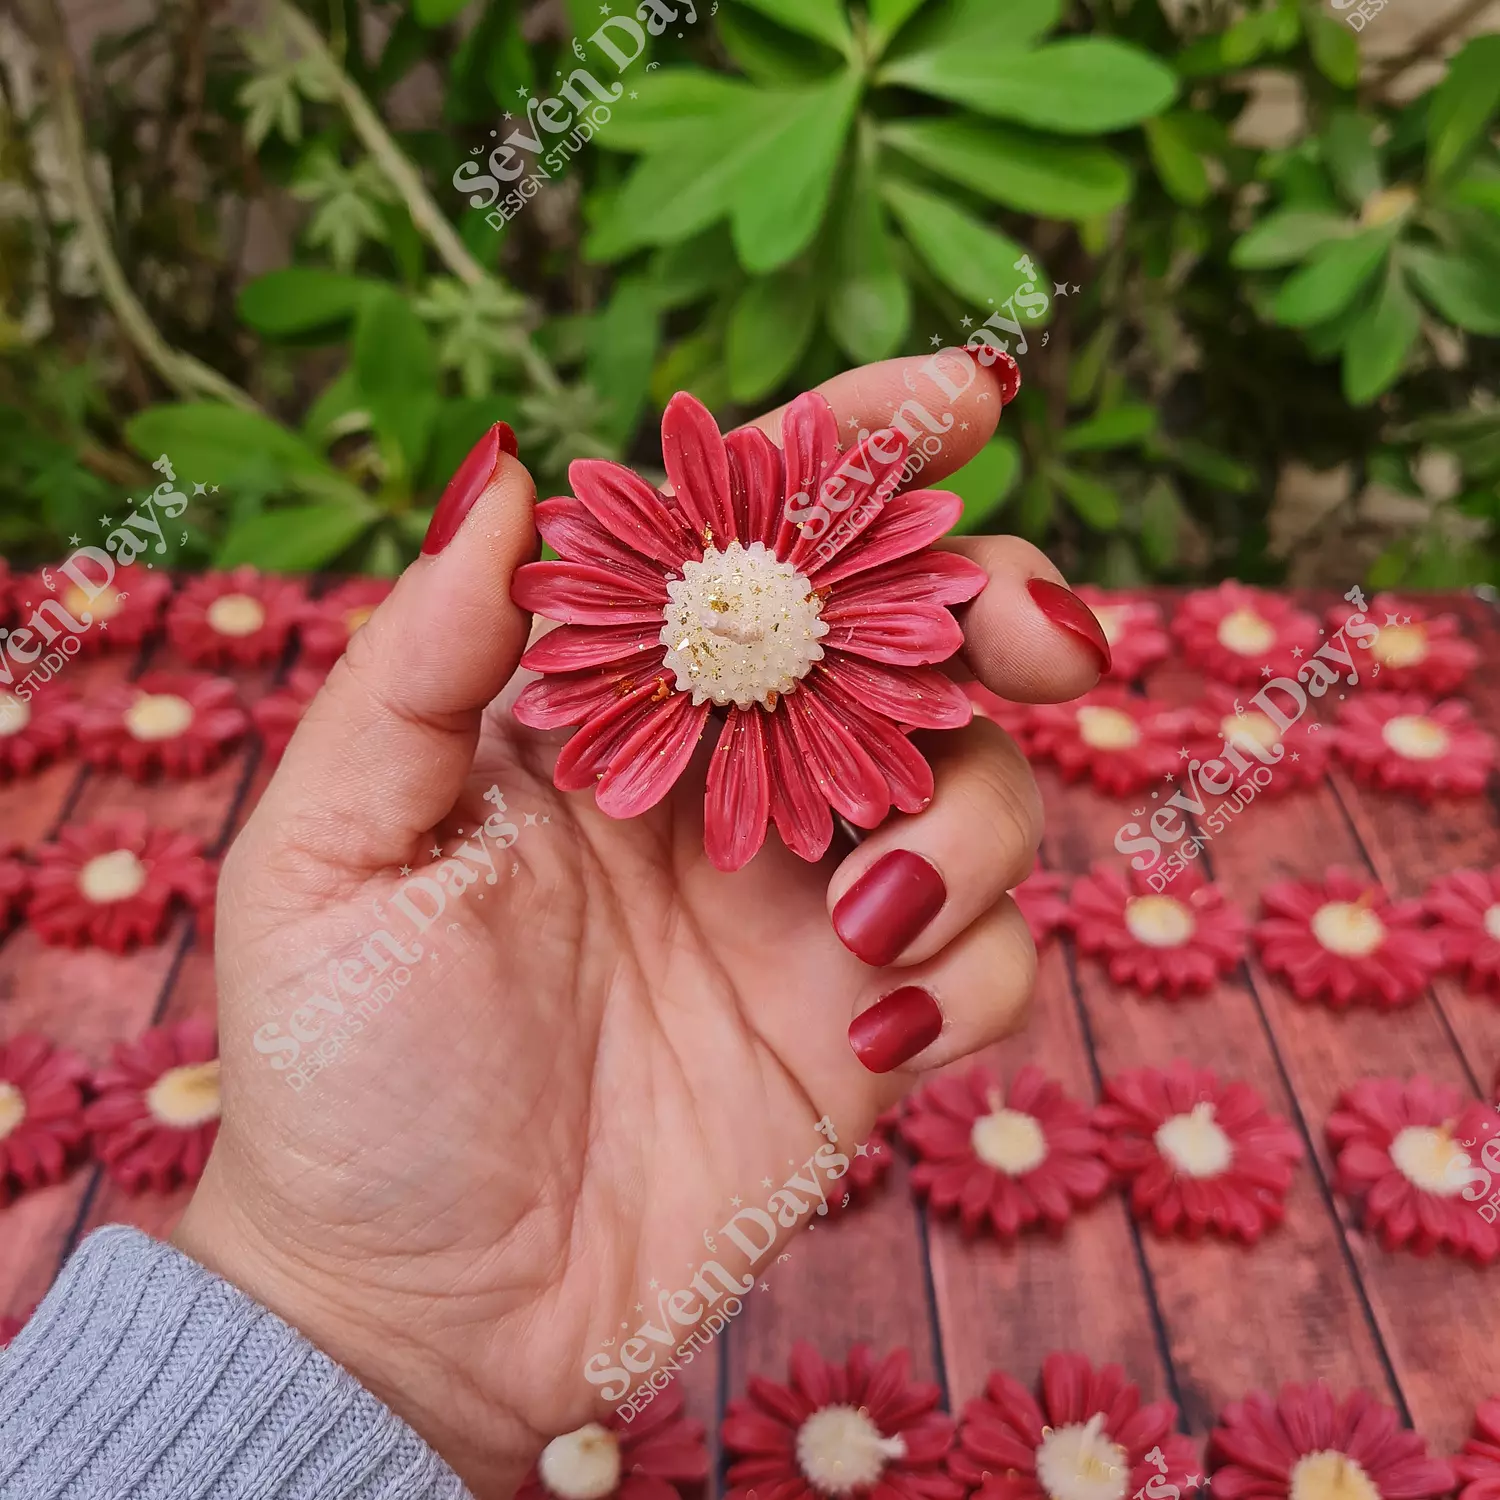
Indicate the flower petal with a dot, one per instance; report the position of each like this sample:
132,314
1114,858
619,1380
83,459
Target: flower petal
646,767
568,528
799,810
810,446
575,697
737,803
908,523
577,594
906,772
921,697
932,577
570,648
755,483
628,508
585,758
698,468
906,634
854,491
849,779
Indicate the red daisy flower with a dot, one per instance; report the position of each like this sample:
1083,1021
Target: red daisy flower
1013,718
1416,650
857,1429
112,883
328,624
1133,627
157,1113
278,714
1154,941
1220,718
1404,743
33,732
1120,742
1012,1157
1043,900
1199,1154
818,645
1306,1445
1478,1461
1232,631
233,619
1345,940
181,723
1466,906
15,883
121,613
1396,1143
1084,1436
41,1113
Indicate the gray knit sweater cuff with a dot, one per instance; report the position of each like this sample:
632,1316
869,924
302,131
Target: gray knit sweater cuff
144,1375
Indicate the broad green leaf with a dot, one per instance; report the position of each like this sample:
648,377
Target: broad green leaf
687,273
396,368
338,410
1479,187
1118,428
869,304
823,20
507,58
460,424
963,26
1161,516
1079,86
966,256
436,12
1379,342
296,539
1087,366
770,55
1334,47
1096,503
622,351
1463,104
768,329
1332,278
1350,155
984,483
674,103
1464,292
1033,173
212,442
1287,236
694,364
299,298
1211,466
1033,514
887,17
1177,163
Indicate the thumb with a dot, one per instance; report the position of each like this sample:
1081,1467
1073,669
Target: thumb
382,753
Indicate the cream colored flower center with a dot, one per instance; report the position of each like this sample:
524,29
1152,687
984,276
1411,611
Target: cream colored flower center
236,614
14,715
1492,922
1428,1156
116,876
1080,1462
581,1465
1246,634
1008,1140
840,1450
1385,204
105,607
1195,1143
1400,645
1111,620
158,716
186,1096
1256,727
741,627
355,619
12,1108
1159,921
1348,929
1331,1475
1106,728
1415,737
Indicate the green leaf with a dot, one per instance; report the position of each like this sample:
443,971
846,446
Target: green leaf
1034,509
673,104
822,20
1033,173
1211,466
769,55
622,351
294,540
869,304
1334,47
1287,236
768,329
396,368
1118,428
1379,342
1161,517
460,424
300,298
1464,292
1078,86
1096,503
687,273
1332,278
950,31
436,12
1350,155
1177,164
887,17
984,483
966,256
1463,105
213,442
338,410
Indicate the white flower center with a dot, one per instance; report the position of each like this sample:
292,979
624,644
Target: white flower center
1159,921
1111,620
1331,1475
1492,922
1415,737
105,607
1348,929
236,614
12,1108
14,715
1008,1140
1427,1156
840,1450
1400,645
1079,1462
1106,728
116,876
741,627
158,716
1195,1143
1246,634
582,1465
1256,727
186,1096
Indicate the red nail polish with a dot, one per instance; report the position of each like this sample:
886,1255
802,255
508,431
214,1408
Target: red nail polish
1005,369
895,1028
883,911
466,486
1064,607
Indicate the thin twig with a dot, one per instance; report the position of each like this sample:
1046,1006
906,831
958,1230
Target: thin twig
1427,43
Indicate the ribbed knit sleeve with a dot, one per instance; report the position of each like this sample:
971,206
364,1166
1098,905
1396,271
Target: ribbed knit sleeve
143,1376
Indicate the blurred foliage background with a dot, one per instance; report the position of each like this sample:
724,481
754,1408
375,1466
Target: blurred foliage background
264,240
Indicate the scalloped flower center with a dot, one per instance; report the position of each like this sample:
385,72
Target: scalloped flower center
355,619
840,1450
14,715
1427,1156
186,1096
1107,728
12,1108
1081,1462
1400,645
581,1465
1195,1143
1009,1140
1253,726
1159,921
158,716
1348,929
1492,922
741,627
1246,634
1415,737
236,614
105,607
116,876
1331,1475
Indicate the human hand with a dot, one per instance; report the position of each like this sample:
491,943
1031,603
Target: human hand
613,1039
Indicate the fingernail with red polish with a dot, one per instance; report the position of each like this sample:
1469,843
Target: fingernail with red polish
1006,370
466,486
878,917
895,1028
1064,607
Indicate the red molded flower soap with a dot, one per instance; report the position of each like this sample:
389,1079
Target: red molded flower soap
1465,905
1116,740
786,592
278,714
117,608
181,723
1233,632
41,1113
1133,626
237,619
1415,650
1226,729
330,623
1401,742
34,730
